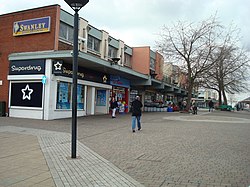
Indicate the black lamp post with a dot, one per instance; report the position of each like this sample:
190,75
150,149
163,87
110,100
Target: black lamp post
76,5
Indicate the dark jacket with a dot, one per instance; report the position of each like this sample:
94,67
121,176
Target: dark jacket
211,104
136,108
113,105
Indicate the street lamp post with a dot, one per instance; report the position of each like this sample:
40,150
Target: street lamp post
76,5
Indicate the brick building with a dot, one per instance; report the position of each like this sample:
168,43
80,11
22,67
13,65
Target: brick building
36,66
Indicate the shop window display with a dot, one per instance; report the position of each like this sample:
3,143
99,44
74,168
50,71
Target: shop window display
101,98
80,96
120,95
63,95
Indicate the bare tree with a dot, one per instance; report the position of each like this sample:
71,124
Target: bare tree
190,46
229,72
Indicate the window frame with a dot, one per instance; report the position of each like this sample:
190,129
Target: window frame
69,34
112,52
95,44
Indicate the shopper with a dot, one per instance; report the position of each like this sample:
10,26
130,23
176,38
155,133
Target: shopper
113,106
211,106
136,113
194,107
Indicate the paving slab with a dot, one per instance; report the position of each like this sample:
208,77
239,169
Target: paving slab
172,149
88,169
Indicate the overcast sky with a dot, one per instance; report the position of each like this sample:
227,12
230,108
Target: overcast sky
137,22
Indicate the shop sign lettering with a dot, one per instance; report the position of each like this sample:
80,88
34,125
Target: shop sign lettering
63,69
32,26
70,72
24,67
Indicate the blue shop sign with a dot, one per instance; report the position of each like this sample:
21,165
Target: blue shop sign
31,26
119,81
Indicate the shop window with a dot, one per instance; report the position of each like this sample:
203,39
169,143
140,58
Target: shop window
101,98
66,32
63,95
28,94
93,44
80,96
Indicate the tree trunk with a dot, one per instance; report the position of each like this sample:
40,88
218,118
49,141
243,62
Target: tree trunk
190,92
220,99
224,97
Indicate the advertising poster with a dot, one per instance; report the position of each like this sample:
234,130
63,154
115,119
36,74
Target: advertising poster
80,96
63,94
101,98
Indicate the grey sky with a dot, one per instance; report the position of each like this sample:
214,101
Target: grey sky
137,22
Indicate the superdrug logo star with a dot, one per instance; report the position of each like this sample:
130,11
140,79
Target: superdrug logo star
27,92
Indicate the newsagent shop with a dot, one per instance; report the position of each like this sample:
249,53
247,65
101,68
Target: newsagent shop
42,89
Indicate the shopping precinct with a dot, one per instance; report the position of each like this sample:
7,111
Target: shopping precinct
36,68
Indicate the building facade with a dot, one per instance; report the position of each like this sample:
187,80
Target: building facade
36,67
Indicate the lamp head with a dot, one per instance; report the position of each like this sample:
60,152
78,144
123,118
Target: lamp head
76,5
114,60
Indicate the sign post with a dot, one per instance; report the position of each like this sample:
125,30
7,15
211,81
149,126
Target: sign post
44,79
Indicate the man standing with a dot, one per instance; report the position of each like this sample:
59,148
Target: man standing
136,113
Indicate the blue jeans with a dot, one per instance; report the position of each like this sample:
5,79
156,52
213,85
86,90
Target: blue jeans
134,119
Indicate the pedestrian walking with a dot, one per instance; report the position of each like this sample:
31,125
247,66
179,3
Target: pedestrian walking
113,106
184,105
211,106
194,107
136,113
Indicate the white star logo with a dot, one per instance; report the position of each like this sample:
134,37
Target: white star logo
104,79
25,94
58,66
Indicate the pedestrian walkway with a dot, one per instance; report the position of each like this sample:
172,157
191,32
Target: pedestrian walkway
204,118
172,149
20,149
22,162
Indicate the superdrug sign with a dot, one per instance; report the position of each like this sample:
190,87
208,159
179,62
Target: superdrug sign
27,67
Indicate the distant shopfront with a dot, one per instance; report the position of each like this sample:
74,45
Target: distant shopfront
120,90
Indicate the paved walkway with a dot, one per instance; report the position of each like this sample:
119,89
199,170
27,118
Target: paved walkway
172,149
22,162
20,148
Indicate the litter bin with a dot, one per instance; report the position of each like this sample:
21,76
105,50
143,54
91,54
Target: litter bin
2,108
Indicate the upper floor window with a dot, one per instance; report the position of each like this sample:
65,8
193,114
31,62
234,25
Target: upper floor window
127,60
66,32
152,64
93,44
112,52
